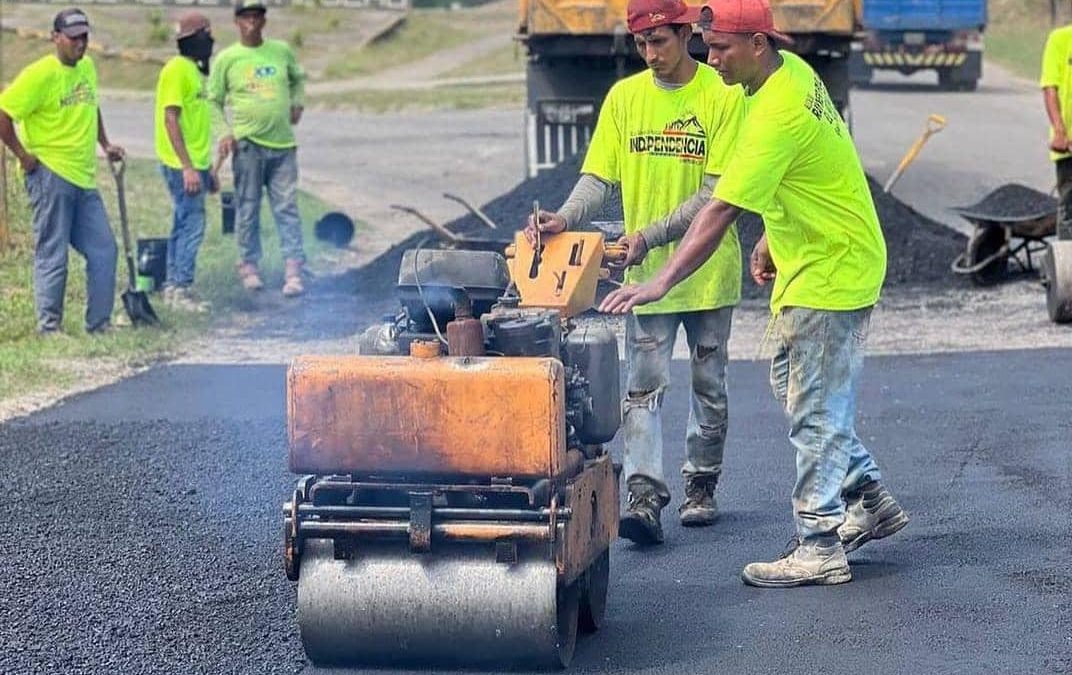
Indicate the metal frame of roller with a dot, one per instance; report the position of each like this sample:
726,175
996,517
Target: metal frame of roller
459,509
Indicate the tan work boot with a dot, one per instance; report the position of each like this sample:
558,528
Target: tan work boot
700,508
251,278
806,564
871,512
185,299
292,279
641,523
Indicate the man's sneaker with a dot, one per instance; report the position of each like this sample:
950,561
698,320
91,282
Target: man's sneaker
806,564
183,298
292,279
251,278
641,523
700,508
871,512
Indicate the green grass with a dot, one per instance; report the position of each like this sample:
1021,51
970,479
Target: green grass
1017,34
29,363
112,72
450,98
424,32
509,59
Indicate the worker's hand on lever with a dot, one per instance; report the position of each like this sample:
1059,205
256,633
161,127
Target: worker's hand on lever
636,247
761,264
623,300
550,223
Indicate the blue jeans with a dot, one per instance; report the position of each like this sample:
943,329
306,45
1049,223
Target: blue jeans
649,345
815,375
256,167
67,215
187,226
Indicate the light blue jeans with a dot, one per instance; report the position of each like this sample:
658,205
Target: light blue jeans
67,215
649,345
256,167
815,375
187,226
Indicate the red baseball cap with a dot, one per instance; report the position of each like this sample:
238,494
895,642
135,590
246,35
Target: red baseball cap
740,16
647,14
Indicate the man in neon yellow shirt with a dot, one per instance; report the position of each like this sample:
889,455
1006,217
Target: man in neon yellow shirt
184,146
795,165
663,135
263,85
54,102
1056,83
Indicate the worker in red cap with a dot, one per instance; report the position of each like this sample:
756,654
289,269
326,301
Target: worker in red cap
796,166
663,135
183,136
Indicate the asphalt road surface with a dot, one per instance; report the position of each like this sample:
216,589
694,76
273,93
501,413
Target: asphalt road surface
142,533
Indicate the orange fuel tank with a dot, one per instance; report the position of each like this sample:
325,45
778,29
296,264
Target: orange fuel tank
399,415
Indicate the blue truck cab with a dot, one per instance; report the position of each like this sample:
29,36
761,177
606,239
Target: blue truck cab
912,35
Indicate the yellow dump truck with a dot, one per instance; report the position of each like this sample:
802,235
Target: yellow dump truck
578,48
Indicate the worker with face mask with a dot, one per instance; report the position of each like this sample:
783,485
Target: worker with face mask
184,146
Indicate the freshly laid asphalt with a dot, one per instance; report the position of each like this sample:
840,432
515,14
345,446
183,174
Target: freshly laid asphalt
141,533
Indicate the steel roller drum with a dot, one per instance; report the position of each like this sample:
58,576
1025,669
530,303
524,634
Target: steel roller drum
453,605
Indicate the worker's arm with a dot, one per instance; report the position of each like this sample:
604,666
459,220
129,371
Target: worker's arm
585,201
191,179
668,229
217,94
296,77
699,243
114,152
7,134
1059,142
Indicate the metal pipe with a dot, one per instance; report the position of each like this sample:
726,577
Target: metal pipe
450,530
402,512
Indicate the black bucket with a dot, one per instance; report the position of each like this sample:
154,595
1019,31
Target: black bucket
152,259
335,228
227,211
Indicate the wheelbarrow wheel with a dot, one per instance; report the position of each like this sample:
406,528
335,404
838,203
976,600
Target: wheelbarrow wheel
986,242
1057,278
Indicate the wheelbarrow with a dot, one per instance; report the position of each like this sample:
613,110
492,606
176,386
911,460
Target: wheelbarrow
1011,226
1013,223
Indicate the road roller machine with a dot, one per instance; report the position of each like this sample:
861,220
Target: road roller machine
457,502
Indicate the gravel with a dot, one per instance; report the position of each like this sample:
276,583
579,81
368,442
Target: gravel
919,250
1012,202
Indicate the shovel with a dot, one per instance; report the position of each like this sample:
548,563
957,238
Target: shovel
935,123
134,301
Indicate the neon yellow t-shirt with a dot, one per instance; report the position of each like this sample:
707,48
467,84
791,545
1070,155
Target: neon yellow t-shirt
658,144
260,84
55,107
795,165
181,85
1056,73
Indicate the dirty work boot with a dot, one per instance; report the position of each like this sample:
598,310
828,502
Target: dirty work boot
641,523
804,565
292,279
700,508
870,513
251,278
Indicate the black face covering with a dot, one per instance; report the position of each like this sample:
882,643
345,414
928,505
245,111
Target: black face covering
199,48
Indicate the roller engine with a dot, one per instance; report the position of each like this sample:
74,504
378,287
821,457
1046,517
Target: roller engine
458,503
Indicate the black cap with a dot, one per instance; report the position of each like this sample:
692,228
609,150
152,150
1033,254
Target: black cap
71,22
250,6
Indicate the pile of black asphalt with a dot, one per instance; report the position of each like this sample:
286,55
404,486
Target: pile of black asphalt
919,250
142,533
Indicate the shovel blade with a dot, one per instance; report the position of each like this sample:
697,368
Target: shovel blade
138,309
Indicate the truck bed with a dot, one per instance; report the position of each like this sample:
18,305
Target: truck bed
924,14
